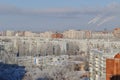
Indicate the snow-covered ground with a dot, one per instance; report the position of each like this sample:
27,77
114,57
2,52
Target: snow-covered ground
52,67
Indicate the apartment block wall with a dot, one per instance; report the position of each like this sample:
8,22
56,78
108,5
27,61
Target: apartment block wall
112,67
116,32
57,35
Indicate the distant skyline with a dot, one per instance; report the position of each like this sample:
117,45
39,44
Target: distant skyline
59,15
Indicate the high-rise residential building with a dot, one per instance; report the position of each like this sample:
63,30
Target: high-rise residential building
88,34
19,33
113,68
102,35
74,34
116,32
9,33
28,34
46,34
101,64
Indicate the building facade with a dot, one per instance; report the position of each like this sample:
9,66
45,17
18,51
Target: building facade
57,35
102,35
101,64
116,32
113,67
9,33
74,34
46,34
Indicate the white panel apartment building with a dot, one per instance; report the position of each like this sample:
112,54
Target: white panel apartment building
74,34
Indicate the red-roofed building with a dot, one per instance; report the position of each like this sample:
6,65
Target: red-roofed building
57,35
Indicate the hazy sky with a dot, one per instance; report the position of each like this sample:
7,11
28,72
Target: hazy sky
59,15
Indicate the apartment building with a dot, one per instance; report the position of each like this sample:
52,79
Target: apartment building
102,35
113,68
74,34
9,33
97,63
116,32
46,34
